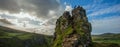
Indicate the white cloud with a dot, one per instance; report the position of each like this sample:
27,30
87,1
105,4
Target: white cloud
105,24
111,9
19,16
51,12
68,8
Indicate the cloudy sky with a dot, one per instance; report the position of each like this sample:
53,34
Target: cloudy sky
40,15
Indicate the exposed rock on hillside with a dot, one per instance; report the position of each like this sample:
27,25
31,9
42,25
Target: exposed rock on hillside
73,31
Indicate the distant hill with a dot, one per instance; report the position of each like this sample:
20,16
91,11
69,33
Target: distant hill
107,38
16,38
110,34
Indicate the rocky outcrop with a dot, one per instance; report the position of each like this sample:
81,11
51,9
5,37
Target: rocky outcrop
73,31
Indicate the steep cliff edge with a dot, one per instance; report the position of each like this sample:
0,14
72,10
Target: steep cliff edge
73,31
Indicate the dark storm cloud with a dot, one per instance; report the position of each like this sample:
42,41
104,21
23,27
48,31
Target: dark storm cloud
9,5
43,6
40,7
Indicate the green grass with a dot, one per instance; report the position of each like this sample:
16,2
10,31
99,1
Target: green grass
59,40
16,38
25,36
96,44
107,38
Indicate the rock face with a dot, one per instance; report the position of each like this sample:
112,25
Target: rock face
73,31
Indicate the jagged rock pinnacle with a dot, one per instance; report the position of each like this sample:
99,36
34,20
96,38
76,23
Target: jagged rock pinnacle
73,31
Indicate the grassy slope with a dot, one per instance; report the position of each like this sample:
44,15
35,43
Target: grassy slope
107,39
15,38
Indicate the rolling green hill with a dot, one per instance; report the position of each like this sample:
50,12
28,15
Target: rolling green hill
16,38
106,40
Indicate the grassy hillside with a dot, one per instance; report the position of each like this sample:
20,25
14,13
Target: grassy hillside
15,38
107,38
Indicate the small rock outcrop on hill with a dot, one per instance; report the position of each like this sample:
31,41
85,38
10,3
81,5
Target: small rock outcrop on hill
73,31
